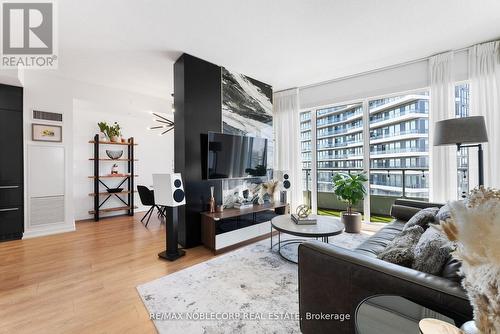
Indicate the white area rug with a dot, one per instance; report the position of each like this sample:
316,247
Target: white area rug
249,290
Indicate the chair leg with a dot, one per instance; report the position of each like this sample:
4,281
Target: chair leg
147,213
152,210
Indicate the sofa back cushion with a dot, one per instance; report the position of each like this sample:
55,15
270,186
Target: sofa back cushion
422,218
379,241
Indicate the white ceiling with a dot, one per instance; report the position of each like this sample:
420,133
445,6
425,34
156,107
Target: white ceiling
132,44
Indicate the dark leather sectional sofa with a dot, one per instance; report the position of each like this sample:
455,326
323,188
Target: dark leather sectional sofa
334,280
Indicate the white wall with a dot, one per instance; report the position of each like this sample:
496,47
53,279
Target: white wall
45,91
155,153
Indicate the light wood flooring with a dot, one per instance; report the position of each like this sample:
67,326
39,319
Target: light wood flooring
84,281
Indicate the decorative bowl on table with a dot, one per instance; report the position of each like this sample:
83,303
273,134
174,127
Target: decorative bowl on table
114,154
114,190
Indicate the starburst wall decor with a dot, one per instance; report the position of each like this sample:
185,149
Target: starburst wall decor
163,124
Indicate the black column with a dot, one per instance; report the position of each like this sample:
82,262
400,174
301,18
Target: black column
198,110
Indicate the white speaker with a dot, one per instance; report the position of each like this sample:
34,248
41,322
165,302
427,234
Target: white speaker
283,178
169,189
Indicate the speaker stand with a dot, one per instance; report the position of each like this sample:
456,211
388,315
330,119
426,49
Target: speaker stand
172,251
283,197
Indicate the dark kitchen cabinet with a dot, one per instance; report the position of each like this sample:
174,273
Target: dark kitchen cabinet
11,163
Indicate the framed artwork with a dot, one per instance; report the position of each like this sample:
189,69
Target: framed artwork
46,132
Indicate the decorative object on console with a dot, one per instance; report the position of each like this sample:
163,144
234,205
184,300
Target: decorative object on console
350,188
46,132
114,155
475,227
211,200
266,192
169,192
460,131
164,124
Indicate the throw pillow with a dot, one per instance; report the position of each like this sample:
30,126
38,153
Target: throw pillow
422,218
431,252
443,214
400,249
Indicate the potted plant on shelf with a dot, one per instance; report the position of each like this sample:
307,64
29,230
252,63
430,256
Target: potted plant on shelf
114,132
103,128
350,188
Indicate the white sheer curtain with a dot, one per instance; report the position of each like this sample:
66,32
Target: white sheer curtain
287,141
484,73
442,159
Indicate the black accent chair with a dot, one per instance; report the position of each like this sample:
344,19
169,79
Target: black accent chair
148,199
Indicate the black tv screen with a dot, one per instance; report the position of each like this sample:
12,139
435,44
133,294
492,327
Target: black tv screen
231,156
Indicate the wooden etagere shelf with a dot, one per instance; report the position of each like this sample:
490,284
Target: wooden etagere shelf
111,142
126,197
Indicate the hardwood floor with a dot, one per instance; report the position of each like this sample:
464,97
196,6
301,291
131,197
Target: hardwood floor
84,281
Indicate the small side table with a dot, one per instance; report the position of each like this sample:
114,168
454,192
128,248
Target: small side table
436,326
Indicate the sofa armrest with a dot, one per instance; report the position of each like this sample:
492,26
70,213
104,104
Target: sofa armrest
334,280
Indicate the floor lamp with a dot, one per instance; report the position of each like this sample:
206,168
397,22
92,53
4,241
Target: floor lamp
463,132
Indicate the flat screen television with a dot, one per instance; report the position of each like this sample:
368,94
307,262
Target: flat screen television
232,156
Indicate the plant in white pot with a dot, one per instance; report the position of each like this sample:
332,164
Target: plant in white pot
350,188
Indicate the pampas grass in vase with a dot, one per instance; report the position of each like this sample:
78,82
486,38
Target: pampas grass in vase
475,227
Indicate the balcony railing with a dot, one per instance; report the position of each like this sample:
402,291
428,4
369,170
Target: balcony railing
339,131
337,145
396,115
401,150
404,187
329,120
400,133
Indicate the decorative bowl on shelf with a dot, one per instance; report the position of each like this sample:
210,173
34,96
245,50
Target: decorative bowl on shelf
114,190
114,154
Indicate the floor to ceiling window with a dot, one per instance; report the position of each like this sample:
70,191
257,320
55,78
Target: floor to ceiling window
399,149
396,147
339,148
306,154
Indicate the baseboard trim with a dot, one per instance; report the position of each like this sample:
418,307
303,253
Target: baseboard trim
48,231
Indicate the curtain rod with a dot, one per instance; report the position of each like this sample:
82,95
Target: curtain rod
380,69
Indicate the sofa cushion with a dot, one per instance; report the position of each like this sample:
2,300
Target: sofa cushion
422,218
443,214
379,241
431,252
403,212
401,250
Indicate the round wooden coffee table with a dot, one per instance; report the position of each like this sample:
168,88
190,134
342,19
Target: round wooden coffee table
324,228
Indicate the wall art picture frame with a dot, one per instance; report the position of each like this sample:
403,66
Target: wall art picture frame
46,133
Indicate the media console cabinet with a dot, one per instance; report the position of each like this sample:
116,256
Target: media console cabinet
232,228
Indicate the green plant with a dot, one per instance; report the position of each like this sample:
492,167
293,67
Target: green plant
103,127
350,188
114,130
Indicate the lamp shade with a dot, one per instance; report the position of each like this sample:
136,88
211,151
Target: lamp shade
465,130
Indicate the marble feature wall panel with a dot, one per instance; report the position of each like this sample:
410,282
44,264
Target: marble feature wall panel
247,108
